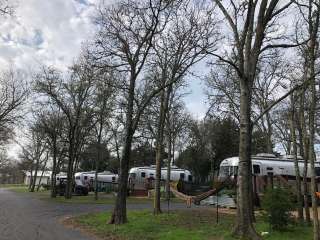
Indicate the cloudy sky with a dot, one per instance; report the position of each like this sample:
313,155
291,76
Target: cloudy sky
51,32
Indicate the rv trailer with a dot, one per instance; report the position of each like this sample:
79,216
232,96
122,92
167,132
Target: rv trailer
142,178
264,164
88,178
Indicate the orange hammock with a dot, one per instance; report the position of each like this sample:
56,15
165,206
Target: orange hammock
197,198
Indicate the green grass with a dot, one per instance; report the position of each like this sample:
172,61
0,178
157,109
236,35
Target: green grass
103,197
11,185
189,224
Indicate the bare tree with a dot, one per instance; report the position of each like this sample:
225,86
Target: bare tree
186,41
251,24
104,104
51,122
13,96
295,153
311,54
72,96
6,8
33,151
127,32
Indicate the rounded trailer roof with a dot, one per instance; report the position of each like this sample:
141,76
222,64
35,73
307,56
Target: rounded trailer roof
233,161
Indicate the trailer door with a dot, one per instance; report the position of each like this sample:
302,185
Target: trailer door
256,169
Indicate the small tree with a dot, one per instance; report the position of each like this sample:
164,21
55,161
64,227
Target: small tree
278,204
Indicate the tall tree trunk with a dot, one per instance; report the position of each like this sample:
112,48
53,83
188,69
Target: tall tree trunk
98,161
42,172
169,166
34,179
269,134
96,176
164,106
244,227
296,164
316,233
305,155
68,190
54,171
119,215
31,177
159,154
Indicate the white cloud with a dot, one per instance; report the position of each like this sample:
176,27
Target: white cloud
49,32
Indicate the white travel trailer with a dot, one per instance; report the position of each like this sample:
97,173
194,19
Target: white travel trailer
142,173
41,178
264,164
88,178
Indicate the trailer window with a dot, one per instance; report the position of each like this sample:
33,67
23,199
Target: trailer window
85,177
256,169
143,174
317,170
269,168
233,171
190,178
133,175
181,175
224,171
77,177
113,179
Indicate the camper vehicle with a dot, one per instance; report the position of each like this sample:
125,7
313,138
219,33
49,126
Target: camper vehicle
61,182
142,173
88,178
61,176
264,164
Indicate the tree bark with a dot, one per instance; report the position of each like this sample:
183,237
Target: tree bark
34,179
169,166
305,155
269,134
54,170
244,227
316,232
159,154
119,215
296,164
68,190
98,161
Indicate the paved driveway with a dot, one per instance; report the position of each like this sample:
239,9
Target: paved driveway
24,217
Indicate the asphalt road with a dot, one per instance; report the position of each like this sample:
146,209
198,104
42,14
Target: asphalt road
24,217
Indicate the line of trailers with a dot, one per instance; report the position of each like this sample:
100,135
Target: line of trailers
262,165
85,181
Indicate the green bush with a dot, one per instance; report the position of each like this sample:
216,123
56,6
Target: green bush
278,203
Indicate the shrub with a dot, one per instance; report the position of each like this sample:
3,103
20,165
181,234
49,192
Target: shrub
277,204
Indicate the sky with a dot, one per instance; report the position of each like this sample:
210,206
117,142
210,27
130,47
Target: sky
51,32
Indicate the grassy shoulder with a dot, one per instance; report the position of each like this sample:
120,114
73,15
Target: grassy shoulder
103,197
11,185
187,224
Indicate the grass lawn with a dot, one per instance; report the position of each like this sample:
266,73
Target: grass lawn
187,224
103,197
11,185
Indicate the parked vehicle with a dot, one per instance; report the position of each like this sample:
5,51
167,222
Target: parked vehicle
142,173
77,189
88,178
264,164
